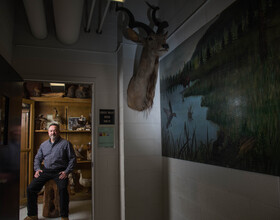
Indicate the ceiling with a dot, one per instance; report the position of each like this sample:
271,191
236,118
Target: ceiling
67,16
66,24
87,24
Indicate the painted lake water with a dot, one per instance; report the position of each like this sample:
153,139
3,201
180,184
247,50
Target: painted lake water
189,111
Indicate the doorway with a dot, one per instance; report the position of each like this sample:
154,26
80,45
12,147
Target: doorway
26,147
69,105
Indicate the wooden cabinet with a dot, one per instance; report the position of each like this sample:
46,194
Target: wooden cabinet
74,116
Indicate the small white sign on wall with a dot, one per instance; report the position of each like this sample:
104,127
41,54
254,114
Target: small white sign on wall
106,137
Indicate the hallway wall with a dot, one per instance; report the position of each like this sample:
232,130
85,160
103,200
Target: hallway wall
11,88
142,152
140,137
200,191
7,26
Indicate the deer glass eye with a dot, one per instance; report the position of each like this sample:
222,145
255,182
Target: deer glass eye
150,38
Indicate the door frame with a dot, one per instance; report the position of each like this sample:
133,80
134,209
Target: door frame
90,82
30,147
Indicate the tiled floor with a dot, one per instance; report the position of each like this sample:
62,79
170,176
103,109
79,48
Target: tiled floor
78,210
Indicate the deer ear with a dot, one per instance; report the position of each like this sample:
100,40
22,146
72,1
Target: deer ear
132,35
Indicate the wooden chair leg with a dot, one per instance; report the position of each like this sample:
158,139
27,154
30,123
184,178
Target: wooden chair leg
51,208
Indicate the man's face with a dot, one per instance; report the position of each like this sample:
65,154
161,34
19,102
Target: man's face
53,132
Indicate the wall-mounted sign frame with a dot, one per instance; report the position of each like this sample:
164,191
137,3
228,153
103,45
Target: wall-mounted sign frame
107,116
106,137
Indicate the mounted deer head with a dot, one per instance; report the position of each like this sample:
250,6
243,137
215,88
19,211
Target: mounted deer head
141,88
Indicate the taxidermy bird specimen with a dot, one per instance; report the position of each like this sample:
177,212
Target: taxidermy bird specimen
80,151
42,121
56,117
84,182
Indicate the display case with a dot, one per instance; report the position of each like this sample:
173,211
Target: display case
74,117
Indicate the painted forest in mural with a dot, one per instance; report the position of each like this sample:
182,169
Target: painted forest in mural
220,91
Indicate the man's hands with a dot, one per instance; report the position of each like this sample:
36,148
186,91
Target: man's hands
37,173
62,175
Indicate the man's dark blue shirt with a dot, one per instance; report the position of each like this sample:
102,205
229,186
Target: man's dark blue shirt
59,155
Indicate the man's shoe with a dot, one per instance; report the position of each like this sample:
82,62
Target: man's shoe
31,218
64,218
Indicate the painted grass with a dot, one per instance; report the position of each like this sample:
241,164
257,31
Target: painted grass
242,93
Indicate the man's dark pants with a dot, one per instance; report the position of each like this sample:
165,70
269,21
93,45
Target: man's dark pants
37,184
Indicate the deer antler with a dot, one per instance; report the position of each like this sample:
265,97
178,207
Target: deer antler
141,87
160,24
134,24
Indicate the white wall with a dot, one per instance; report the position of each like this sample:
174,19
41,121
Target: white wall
177,12
140,138
7,29
142,153
200,191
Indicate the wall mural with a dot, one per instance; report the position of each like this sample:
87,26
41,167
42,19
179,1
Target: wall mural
220,91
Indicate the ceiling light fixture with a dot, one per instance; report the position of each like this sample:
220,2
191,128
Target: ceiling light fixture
57,87
57,84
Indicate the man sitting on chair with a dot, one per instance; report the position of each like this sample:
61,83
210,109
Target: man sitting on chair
59,160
